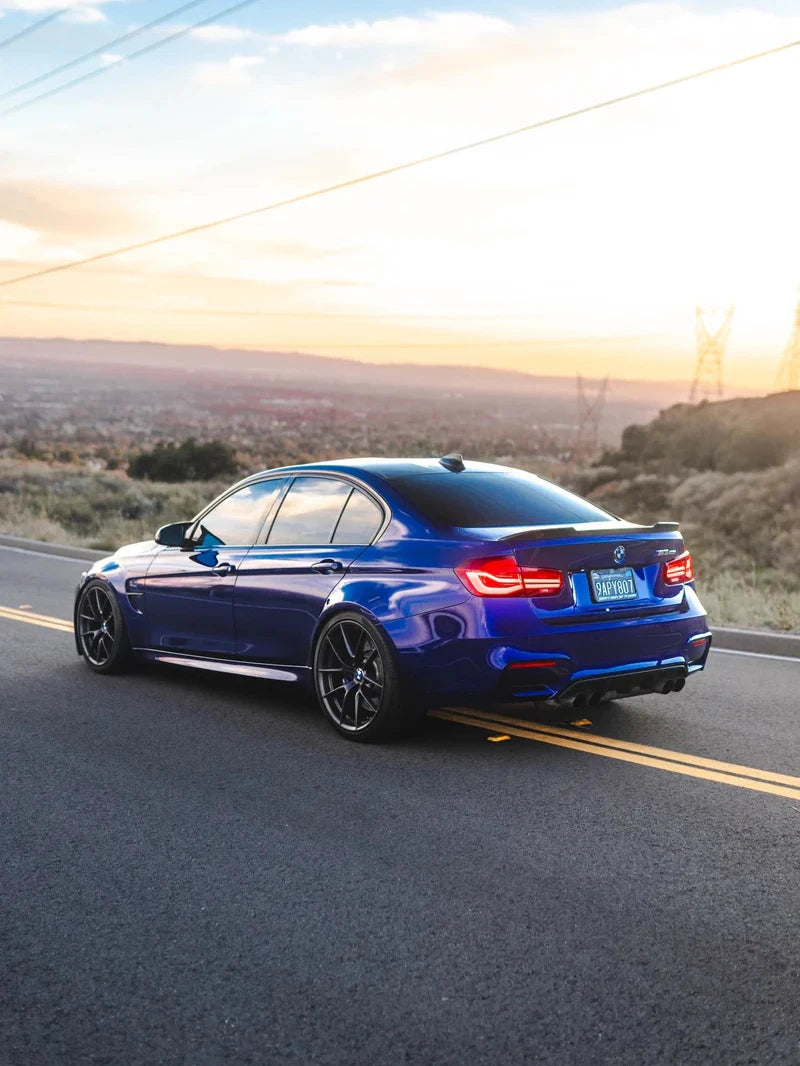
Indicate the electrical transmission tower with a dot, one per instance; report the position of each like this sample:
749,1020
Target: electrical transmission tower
707,382
590,410
789,370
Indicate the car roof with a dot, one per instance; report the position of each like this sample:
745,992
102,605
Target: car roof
383,468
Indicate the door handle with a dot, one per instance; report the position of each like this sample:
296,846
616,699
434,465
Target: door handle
327,566
223,569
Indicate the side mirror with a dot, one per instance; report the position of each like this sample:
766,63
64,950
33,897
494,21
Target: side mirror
173,535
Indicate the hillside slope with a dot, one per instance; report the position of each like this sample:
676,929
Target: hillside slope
730,474
732,435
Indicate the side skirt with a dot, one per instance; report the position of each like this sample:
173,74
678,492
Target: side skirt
226,666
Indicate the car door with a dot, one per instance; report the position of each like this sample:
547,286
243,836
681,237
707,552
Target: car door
322,525
188,592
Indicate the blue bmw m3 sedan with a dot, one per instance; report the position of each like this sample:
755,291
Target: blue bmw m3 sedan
395,585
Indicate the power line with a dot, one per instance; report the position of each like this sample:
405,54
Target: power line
34,26
132,55
233,312
351,182
485,343
97,51
388,316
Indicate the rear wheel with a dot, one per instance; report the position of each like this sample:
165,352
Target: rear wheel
101,631
356,679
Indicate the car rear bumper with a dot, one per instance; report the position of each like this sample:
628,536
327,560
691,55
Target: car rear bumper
581,667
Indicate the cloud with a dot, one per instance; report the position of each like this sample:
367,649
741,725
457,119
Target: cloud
64,210
16,241
434,30
84,15
79,10
233,72
219,33
445,29
239,62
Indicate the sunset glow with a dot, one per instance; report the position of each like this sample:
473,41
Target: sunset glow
579,248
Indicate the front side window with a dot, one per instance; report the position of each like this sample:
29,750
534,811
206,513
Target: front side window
237,519
361,519
309,512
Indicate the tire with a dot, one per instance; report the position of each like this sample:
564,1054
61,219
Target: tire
357,681
100,629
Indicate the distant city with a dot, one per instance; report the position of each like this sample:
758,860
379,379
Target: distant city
97,402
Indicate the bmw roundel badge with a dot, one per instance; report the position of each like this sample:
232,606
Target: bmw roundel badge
619,553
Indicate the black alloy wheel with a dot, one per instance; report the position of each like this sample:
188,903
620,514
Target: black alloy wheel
102,636
356,679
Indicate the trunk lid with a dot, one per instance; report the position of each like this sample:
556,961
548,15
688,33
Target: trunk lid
617,550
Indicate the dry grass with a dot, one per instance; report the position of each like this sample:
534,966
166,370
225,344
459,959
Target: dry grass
735,600
66,505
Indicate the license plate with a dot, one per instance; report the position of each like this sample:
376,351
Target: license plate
609,586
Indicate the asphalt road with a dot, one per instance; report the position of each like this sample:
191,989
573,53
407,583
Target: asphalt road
197,870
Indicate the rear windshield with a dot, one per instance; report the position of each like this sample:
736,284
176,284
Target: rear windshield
484,498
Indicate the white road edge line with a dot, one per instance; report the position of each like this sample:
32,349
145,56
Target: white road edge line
47,555
724,651
758,655
758,632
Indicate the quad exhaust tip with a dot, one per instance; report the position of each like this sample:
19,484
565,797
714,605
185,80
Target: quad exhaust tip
673,686
592,699
589,699
588,692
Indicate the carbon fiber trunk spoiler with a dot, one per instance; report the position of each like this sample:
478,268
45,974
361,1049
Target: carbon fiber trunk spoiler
547,532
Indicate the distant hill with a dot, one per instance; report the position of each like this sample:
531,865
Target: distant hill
734,435
314,370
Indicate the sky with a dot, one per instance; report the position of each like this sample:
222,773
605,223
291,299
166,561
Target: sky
583,247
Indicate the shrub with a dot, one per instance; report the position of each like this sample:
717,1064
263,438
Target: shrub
187,461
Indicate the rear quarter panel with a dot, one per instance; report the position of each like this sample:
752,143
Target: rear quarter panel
398,579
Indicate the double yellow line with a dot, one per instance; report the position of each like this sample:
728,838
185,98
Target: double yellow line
674,762
45,620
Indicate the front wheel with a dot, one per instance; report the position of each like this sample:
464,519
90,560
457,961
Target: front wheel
356,679
100,629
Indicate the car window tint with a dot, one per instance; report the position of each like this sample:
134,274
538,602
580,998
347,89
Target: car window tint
360,521
309,512
483,498
237,519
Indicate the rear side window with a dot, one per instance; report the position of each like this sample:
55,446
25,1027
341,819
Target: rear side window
309,512
237,518
483,498
361,519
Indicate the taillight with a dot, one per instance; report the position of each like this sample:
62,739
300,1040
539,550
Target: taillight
502,576
679,570
540,582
